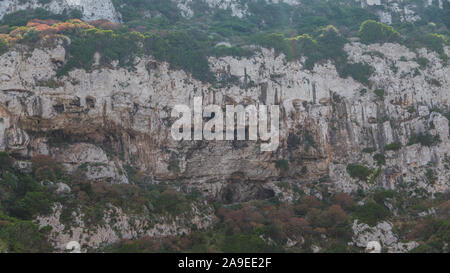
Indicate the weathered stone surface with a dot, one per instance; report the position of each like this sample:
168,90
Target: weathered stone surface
104,9
404,11
120,225
91,10
62,188
127,112
382,233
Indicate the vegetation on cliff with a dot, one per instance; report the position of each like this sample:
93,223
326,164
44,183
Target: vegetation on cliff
255,226
316,30
314,33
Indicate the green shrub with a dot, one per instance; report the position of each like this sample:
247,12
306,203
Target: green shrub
33,204
293,141
434,42
22,17
360,72
6,161
46,168
185,51
379,93
275,41
358,171
331,42
369,150
371,213
304,45
425,139
423,62
433,235
381,195
434,82
174,164
376,32
222,50
169,201
393,146
24,237
181,49
282,165
4,45
431,177
132,10
241,243
380,159
121,47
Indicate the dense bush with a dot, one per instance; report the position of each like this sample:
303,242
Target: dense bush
4,45
395,146
282,165
46,168
434,42
22,17
262,226
360,72
22,198
6,161
169,201
433,233
110,44
371,213
241,243
274,41
222,50
369,150
304,45
358,171
379,93
226,25
181,49
22,237
425,139
375,32
380,159
131,10
186,51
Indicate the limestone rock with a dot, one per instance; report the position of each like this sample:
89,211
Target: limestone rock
363,234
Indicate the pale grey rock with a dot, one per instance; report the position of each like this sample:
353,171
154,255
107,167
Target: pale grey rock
135,106
24,166
382,232
120,225
91,10
93,159
315,249
63,188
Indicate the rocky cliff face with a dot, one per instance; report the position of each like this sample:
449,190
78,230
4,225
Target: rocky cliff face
91,10
103,120
406,11
326,121
118,225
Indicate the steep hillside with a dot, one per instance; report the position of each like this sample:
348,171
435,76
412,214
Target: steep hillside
364,126
90,10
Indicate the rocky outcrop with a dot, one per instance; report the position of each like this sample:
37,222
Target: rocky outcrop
115,116
405,11
238,8
363,234
387,10
117,224
91,10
